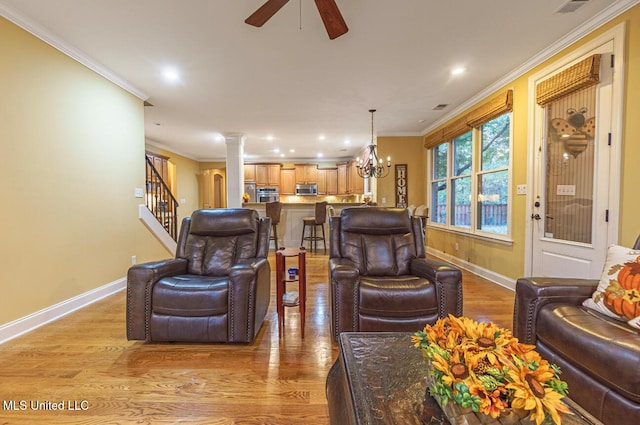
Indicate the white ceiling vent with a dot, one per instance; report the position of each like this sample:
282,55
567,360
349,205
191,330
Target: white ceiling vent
571,6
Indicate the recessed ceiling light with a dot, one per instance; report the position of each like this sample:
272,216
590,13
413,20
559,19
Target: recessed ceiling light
292,150
269,137
458,70
319,154
440,106
281,155
171,75
321,137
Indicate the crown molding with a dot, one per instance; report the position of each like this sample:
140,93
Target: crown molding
587,27
56,42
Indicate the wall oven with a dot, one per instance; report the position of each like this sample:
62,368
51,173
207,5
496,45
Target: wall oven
267,194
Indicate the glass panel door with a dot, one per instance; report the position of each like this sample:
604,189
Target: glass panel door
570,161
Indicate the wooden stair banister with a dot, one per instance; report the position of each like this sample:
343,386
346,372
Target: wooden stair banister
160,201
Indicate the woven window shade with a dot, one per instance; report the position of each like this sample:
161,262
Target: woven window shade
584,74
455,128
499,105
489,110
433,139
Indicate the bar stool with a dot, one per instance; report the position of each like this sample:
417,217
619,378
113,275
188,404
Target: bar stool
313,222
273,212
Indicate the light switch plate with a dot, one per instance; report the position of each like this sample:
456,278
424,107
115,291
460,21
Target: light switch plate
521,189
138,192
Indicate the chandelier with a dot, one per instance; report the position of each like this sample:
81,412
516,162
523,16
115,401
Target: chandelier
369,165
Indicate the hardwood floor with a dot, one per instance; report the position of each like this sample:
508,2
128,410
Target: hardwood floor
85,362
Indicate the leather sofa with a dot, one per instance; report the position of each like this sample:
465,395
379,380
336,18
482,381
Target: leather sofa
599,356
216,289
380,278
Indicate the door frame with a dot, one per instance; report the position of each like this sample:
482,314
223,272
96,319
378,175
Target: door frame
535,132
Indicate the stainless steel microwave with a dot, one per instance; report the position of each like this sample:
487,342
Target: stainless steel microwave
307,189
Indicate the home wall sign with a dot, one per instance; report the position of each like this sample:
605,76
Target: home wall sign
401,185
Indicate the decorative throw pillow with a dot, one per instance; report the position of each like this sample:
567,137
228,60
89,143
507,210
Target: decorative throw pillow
618,293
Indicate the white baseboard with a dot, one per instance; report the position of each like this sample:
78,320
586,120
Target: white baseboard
473,268
39,318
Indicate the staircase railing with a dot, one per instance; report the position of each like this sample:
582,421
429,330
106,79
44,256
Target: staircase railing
160,201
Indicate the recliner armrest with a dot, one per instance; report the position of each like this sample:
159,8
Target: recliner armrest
250,278
448,281
344,277
140,278
532,293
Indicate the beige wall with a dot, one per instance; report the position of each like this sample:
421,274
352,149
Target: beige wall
72,147
403,150
508,260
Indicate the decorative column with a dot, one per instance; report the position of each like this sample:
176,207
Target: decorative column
235,169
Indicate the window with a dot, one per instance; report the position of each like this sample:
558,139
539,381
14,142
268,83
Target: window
439,184
469,179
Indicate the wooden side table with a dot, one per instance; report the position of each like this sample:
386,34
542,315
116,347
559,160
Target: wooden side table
282,279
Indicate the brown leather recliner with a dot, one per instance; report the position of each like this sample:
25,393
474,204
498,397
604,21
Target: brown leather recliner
599,356
217,289
380,277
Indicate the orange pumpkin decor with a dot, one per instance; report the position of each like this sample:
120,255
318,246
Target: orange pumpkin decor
622,296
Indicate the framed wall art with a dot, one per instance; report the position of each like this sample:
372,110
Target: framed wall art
401,186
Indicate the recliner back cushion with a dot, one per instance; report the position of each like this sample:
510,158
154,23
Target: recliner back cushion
379,255
379,241
218,238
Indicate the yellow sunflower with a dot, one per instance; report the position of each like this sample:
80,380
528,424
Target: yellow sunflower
529,393
491,403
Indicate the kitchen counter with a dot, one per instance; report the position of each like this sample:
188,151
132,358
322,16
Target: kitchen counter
290,226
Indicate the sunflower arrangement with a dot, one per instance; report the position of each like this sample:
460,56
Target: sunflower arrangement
483,367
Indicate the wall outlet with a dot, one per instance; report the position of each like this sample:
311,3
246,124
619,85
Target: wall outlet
457,246
384,200
133,260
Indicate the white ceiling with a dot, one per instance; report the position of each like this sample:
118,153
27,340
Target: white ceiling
287,81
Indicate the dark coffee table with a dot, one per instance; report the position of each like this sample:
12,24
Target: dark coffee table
379,378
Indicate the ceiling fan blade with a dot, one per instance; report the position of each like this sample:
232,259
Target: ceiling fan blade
265,12
332,18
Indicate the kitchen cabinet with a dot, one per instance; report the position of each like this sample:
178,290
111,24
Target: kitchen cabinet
356,183
306,173
268,175
287,181
349,182
249,173
327,181
342,178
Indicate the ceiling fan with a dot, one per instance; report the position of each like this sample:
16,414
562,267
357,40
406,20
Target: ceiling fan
329,12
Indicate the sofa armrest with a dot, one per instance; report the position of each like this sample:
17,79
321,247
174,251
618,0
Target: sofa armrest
140,280
344,279
532,293
249,296
448,281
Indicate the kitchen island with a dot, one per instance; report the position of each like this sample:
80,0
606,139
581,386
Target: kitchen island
290,226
